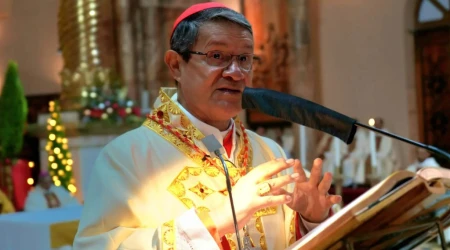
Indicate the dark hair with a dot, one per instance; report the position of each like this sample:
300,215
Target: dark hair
186,33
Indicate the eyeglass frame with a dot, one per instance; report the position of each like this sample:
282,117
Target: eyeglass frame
253,56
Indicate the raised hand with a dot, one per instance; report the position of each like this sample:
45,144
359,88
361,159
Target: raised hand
254,191
310,197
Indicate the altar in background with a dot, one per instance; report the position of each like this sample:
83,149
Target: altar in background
43,230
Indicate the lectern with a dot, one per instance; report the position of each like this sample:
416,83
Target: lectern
401,212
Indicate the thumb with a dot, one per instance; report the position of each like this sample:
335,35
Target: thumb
334,199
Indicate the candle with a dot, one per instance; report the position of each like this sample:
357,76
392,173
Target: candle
145,101
373,149
302,145
337,152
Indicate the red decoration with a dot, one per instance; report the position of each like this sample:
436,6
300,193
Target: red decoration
96,113
20,173
136,111
122,112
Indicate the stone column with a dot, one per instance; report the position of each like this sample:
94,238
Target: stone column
146,26
304,64
124,25
156,42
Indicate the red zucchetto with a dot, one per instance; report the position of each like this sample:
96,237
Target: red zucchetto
195,9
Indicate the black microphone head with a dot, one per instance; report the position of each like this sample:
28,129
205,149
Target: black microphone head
301,111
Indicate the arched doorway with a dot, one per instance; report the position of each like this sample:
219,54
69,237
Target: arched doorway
432,57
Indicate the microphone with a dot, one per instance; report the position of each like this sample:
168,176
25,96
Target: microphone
213,146
315,116
216,150
301,111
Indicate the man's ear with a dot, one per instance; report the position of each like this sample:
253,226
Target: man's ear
171,58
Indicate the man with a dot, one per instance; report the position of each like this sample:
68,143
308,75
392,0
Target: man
156,187
46,195
6,206
424,159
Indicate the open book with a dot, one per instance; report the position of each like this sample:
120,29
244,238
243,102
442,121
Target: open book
401,212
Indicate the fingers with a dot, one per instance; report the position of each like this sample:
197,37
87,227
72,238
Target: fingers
279,182
316,172
271,168
281,191
325,184
298,168
275,200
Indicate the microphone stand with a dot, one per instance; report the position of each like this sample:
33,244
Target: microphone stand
230,195
214,147
315,116
433,149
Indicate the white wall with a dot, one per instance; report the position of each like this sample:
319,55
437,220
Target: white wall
367,60
29,36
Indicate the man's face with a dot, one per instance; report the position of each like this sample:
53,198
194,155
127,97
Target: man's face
211,93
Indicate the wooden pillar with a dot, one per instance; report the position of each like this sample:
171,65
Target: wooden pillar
5,8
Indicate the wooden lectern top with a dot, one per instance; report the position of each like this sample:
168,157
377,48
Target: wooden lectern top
398,213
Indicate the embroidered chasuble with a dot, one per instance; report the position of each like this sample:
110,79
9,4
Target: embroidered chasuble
149,186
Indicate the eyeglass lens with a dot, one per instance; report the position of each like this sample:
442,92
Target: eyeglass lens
223,59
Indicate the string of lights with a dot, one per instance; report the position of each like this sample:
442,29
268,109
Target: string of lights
59,158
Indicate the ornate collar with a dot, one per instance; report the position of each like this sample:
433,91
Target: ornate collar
172,124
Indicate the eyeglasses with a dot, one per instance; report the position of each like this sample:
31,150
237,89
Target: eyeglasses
222,59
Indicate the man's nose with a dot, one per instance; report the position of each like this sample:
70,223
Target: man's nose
233,70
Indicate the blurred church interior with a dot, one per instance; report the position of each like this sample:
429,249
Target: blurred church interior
100,62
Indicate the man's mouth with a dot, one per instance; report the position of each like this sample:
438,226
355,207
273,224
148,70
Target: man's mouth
230,91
